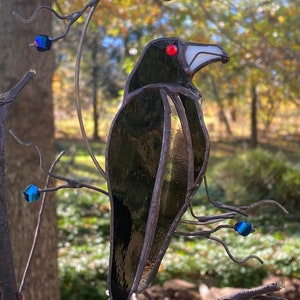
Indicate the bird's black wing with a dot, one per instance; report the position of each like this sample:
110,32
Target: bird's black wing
199,134
188,157
133,155
150,167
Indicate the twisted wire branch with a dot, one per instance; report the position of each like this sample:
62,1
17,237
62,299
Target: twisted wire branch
243,209
233,213
206,220
8,97
204,233
234,210
231,256
77,93
70,183
257,291
207,235
38,226
36,12
71,18
265,202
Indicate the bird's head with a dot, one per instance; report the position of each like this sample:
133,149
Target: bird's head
170,60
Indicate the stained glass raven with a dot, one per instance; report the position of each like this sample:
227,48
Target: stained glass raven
156,158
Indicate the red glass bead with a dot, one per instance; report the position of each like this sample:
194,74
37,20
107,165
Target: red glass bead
171,50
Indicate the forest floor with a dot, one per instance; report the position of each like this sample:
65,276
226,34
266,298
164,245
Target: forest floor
84,233
183,290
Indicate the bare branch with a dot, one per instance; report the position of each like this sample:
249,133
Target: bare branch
38,227
204,233
77,93
8,97
231,256
71,18
243,210
257,291
8,285
71,183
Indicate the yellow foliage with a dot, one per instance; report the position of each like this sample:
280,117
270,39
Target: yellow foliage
281,19
262,40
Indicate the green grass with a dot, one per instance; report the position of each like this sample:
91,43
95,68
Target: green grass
83,220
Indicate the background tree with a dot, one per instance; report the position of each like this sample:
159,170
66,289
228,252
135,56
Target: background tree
262,38
110,50
239,26
259,35
31,117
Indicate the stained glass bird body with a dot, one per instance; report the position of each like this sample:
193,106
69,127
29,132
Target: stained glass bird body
157,154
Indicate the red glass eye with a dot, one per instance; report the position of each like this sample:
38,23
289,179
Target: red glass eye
171,50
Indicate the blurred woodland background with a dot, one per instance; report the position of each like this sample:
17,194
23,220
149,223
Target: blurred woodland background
255,96
251,108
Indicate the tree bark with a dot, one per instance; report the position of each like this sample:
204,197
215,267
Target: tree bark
31,118
222,114
253,138
8,285
95,91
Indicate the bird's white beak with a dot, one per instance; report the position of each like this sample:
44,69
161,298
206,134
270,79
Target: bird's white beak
199,55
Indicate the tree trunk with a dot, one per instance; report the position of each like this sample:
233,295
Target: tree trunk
31,118
8,285
95,91
253,138
8,288
222,114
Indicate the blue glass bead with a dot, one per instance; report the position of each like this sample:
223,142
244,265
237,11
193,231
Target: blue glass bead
31,193
43,43
244,228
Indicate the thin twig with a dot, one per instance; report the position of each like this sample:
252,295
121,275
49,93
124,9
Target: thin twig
38,227
221,205
71,18
36,12
77,92
8,97
204,220
71,183
207,234
244,209
147,295
265,202
204,233
257,291
231,256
